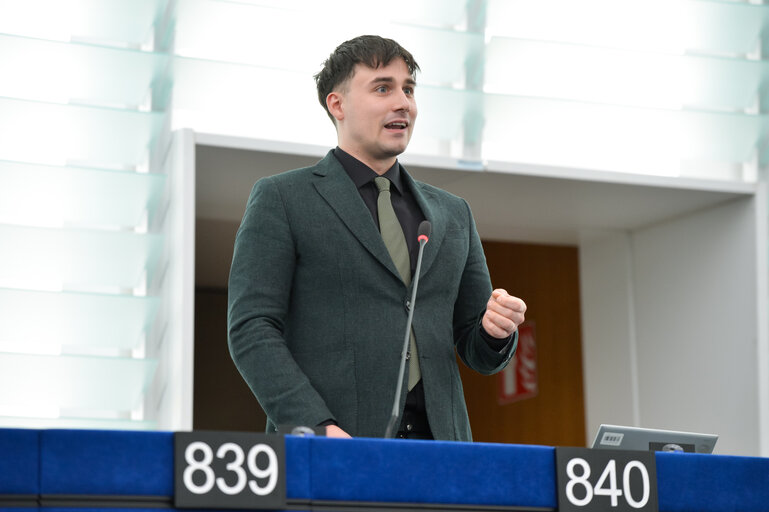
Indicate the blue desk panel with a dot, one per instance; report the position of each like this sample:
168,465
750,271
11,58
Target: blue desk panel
87,463
379,470
712,483
19,461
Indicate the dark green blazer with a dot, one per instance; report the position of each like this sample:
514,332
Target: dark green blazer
317,311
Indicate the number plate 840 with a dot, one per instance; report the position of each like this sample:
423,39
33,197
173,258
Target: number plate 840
606,480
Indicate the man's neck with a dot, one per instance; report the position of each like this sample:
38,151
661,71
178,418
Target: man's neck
378,166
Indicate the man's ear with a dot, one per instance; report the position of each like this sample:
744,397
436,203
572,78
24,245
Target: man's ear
334,104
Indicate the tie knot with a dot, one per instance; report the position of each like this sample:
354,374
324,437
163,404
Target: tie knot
382,184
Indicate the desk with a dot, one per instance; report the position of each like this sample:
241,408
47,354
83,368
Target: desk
58,470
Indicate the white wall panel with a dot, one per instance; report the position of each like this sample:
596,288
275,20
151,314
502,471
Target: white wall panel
608,356
695,295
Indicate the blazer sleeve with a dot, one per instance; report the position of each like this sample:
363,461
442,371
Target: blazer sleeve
469,307
260,282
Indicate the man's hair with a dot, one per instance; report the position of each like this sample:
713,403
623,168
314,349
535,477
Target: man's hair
373,51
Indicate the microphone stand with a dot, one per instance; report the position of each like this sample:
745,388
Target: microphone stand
396,403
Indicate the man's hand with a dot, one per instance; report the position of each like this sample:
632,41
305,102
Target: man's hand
334,431
504,313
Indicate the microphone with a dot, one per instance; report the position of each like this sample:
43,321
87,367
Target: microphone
423,235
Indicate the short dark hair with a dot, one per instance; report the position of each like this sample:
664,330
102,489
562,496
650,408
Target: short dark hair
373,51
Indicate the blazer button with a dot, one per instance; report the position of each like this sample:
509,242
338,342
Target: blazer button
408,355
408,305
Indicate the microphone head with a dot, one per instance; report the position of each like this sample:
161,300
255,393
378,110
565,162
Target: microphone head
423,233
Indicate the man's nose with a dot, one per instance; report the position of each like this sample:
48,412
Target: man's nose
402,102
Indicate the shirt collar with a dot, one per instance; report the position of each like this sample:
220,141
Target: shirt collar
361,174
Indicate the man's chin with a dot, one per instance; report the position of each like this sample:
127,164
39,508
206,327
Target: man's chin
394,149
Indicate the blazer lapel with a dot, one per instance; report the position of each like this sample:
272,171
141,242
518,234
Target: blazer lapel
336,187
428,202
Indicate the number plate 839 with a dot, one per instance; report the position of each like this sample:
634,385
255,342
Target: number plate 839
229,470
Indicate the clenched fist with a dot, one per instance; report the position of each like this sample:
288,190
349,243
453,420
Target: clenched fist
504,313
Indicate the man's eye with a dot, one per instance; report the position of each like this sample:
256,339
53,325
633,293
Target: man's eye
381,88
409,90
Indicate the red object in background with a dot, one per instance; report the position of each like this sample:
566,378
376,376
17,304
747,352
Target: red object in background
518,380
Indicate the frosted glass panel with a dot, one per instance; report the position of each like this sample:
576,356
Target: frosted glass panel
244,33
78,73
214,97
83,127
622,139
41,195
53,134
445,57
439,13
79,260
95,383
47,322
251,34
440,124
92,423
541,69
724,28
232,99
107,21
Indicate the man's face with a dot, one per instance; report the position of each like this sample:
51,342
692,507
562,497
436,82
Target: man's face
375,113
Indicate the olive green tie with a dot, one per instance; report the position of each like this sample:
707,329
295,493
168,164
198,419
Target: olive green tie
392,234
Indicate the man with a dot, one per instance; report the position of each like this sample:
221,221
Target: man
319,298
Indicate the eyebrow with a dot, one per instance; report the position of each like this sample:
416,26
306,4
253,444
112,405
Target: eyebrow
389,80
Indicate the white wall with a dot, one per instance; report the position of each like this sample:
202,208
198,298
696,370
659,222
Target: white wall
672,308
170,396
608,356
